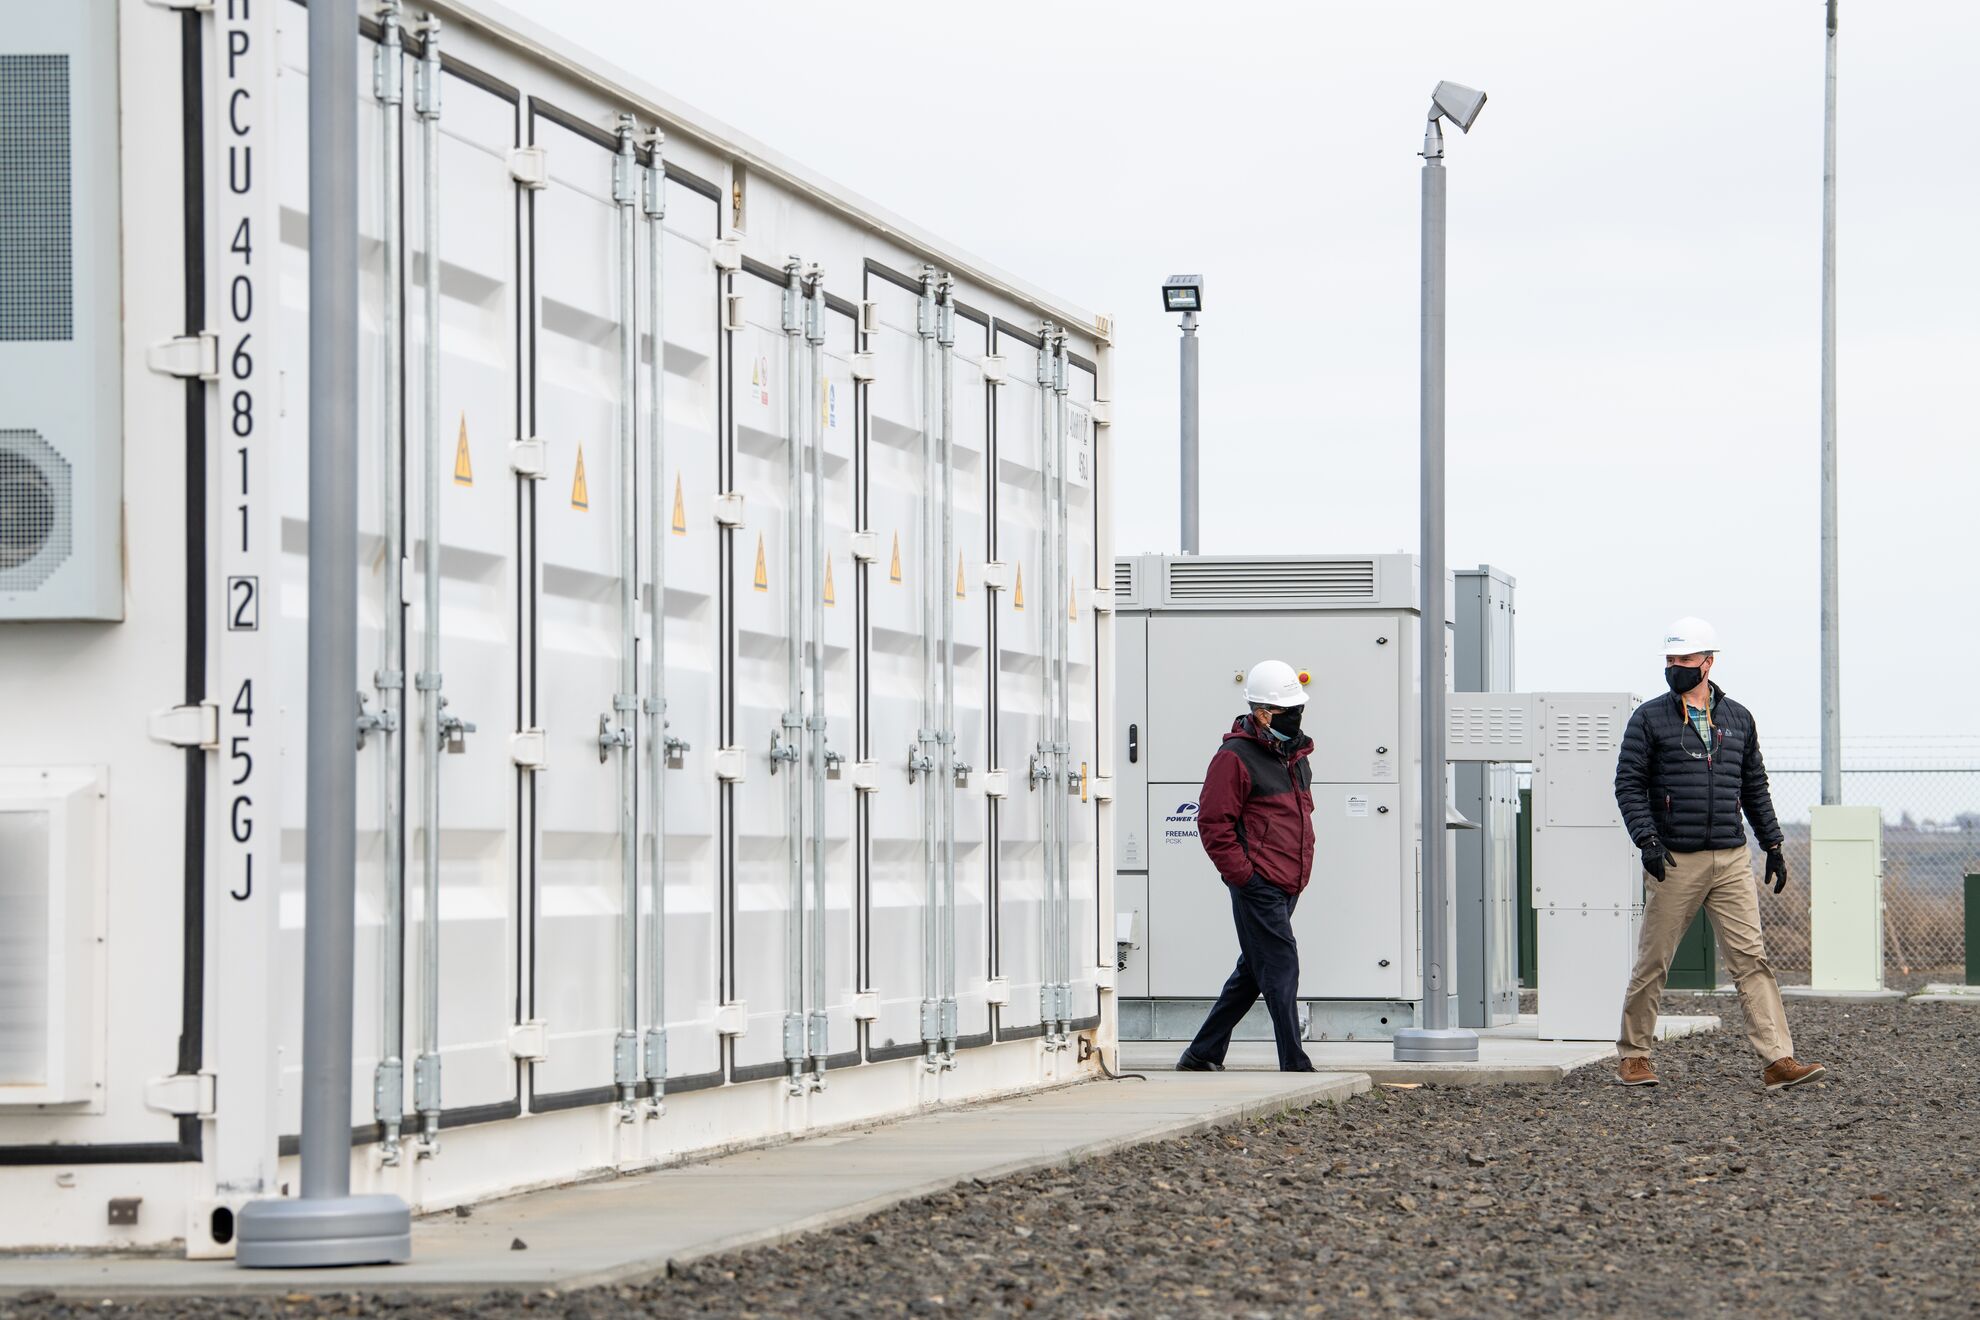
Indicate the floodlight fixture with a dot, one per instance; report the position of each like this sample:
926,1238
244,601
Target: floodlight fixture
1457,103
1182,293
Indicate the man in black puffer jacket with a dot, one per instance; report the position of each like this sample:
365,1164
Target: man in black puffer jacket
1690,765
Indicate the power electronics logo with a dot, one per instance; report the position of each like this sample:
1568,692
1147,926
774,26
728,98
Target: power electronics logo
1180,825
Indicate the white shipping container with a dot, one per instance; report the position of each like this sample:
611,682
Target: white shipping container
621,841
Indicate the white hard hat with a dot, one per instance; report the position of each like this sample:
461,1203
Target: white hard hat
1689,636
1275,683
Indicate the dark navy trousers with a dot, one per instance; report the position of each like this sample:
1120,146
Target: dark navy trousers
1267,965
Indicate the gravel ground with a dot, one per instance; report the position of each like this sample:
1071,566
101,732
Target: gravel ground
1846,1197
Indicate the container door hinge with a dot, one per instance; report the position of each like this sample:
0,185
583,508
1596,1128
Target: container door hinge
729,509
189,1095
865,365
526,458
530,167
865,546
529,1042
187,726
727,253
528,749
994,372
192,357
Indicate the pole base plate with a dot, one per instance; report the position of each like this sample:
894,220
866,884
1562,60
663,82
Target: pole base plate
1443,1045
344,1230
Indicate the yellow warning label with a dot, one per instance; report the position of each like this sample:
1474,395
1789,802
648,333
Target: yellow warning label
1017,597
894,569
463,468
680,508
1072,600
762,566
831,596
961,594
580,493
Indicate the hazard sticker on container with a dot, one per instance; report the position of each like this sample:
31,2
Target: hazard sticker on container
580,493
831,596
680,508
1017,596
894,567
762,582
463,466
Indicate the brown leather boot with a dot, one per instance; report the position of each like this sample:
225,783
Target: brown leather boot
1786,1072
1636,1072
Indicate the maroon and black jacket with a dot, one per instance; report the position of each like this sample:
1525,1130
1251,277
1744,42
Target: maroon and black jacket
1255,814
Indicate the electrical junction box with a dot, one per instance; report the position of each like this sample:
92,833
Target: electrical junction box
1187,628
1846,898
61,446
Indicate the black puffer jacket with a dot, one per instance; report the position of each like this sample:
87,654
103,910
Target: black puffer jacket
1671,790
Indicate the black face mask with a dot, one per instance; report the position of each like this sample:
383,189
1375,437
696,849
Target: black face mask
1286,723
1683,678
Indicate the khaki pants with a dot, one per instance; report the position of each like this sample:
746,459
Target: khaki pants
1722,881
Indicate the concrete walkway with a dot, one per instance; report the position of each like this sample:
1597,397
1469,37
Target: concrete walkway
1513,1053
618,1230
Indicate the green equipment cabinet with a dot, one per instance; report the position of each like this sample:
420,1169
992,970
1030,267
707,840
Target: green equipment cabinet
1696,964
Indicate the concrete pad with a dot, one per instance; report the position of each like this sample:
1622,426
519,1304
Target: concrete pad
618,1230
1841,996
1941,993
1509,1054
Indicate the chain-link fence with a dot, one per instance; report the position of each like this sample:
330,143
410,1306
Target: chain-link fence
1931,842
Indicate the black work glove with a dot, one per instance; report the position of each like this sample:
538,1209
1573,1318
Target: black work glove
1776,869
1655,857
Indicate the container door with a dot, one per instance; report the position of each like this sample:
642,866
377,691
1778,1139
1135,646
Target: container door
481,582
1085,571
1020,721
897,862
690,480
842,640
760,587
973,608
576,896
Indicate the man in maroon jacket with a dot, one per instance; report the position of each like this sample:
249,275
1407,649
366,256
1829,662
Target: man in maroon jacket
1255,817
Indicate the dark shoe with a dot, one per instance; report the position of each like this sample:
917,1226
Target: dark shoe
1783,1073
1636,1072
1190,1063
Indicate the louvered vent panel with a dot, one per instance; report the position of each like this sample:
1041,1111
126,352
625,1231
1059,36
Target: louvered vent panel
1287,580
1124,579
37,276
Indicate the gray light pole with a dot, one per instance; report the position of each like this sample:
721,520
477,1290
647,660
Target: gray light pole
326,1225
1831,604
1436,1041
1184,293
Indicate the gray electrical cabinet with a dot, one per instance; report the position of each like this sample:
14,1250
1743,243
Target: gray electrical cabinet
1187,628
1487,880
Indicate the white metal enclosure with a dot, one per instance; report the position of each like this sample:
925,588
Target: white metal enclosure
734,648
1190,628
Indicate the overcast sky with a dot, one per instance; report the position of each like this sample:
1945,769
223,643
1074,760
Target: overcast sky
1634,285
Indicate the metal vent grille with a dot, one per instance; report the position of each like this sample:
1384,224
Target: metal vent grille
24,868
1579,731
1124,579
37,277
37,510
1294,580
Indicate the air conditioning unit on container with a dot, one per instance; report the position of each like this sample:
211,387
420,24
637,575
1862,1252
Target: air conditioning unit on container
61,415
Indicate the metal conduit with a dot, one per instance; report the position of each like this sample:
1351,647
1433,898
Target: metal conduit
945,337
785,749
438,724
928,738
1046,758
814,333
658,744
618,732
388,1090
1062,710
